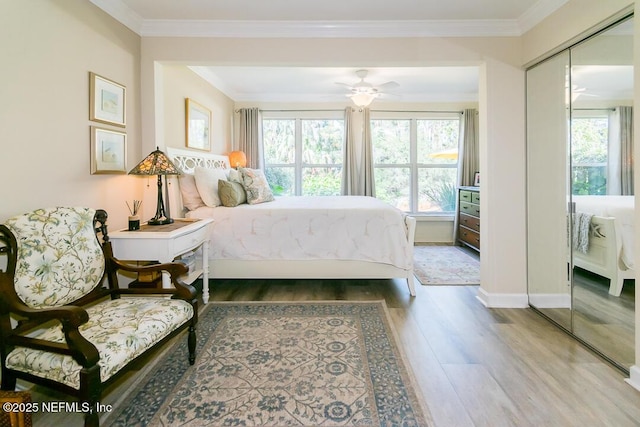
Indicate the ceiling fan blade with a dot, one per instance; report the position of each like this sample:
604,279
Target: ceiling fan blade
344,84
388,85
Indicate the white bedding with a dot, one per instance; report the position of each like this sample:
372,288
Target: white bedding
619,207
307,228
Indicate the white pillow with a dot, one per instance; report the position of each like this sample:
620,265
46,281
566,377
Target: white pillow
190,196
207,184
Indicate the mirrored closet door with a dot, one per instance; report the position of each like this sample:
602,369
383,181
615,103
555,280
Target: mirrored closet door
580,191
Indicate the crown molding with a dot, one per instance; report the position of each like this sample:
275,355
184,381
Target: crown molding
122,13
328,29
537,13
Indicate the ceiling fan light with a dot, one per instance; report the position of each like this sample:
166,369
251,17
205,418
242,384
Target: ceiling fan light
363,99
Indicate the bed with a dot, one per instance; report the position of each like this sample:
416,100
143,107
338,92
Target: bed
611,238
324,237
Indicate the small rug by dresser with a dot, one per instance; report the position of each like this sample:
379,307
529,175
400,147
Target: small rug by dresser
445,265
276,364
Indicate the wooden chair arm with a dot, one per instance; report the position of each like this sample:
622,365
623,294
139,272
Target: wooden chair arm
71,317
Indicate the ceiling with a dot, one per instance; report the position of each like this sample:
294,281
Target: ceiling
333,18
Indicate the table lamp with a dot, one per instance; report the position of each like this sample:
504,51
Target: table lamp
237,159
157,163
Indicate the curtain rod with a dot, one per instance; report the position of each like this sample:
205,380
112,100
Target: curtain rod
359,109
304,111
416,111
595,109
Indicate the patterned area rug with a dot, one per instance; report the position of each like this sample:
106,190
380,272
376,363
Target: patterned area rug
445,265
281,364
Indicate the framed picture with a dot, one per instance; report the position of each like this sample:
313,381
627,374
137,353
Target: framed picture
107,101
108,151
198,126
476,179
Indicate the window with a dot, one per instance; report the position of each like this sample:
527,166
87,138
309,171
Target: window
589,152
415,161
303,156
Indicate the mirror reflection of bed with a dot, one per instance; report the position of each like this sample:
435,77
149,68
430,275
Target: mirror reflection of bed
603,275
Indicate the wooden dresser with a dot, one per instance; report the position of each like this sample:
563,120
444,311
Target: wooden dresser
469,217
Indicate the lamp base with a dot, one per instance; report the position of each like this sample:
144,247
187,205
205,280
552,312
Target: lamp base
154,221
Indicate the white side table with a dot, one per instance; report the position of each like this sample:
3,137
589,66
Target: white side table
164,243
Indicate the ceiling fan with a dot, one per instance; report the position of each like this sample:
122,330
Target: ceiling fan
363,93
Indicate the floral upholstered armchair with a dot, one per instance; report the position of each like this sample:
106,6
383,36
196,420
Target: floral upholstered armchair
63,322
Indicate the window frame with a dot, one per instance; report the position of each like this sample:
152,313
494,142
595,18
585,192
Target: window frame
591,114
413,165
297,116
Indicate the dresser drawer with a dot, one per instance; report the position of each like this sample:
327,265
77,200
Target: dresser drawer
470,209
465,196
469,236
475,198
471,222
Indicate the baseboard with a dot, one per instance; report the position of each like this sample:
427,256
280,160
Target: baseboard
634,377
490,300
550,300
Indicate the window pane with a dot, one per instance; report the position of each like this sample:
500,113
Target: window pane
321,181
281,180
589,151
393,186
279,141
438,141
589,140
322,141
437,189
390,139
589,180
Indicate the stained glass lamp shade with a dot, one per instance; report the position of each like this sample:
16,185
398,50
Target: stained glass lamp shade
157,163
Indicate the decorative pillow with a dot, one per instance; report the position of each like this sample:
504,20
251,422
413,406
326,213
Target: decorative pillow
190,197
256,186
207,184
231,193
235,176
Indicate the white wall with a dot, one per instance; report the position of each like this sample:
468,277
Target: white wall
179,82
48,50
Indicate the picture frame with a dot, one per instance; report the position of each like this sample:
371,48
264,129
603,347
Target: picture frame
108,151
107,101
197,125
476,179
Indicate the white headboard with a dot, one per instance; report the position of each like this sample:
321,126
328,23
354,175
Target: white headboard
187,161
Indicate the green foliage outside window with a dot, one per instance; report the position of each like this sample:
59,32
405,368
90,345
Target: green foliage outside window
589,151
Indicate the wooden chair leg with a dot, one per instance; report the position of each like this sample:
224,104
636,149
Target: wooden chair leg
8,381
191,342
90,392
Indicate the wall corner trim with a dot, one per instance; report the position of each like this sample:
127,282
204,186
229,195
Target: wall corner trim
634,378
493,300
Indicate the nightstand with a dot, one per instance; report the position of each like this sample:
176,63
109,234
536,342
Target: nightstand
165,243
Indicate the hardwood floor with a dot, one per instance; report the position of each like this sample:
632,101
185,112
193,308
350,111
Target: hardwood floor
474,366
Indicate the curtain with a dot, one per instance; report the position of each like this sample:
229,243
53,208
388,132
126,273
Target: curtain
250,136
468,148
368,184
350,176
620,152
468,156
626,149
